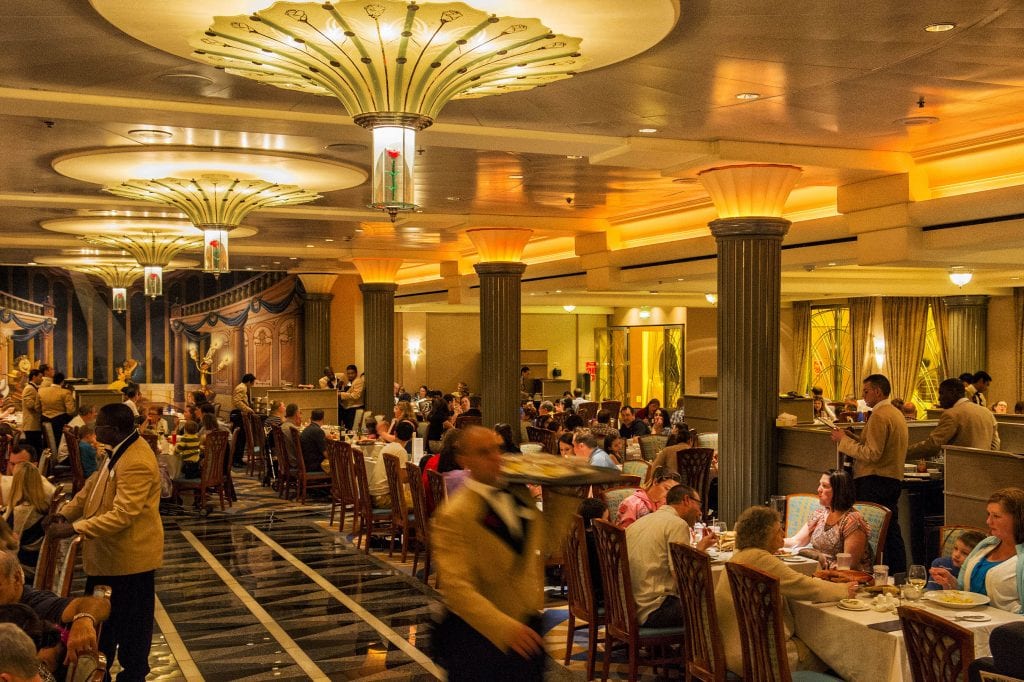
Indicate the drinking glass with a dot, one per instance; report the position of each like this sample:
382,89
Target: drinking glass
917,576
720,527
880,572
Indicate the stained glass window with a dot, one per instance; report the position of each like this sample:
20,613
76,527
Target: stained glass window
830,356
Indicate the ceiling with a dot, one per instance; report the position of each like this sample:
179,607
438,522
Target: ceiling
619,218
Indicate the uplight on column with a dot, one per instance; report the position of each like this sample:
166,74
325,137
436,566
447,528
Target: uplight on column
377,270
500,244
153,280
215,250
119,299
750,190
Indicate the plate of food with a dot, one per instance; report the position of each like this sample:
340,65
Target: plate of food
837,576
853,605
791,559
545,469
956,599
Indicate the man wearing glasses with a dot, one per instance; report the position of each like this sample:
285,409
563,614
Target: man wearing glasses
879,454
650,568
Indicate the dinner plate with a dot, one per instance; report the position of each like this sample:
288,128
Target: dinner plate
956,599
792,559
853,605
974,617
547,469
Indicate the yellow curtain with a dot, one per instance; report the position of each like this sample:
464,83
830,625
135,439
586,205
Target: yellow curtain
802,344
941,317
862,310
905,321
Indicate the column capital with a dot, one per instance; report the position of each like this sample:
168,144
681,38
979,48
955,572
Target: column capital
319,297
500,268
973,301
756,226
373,287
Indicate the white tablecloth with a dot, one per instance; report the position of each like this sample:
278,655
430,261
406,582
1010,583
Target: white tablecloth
804,565
859,654
173,463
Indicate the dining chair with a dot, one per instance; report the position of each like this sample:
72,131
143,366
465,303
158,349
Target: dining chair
306,480
758,606
877,518
153,441
75,458
549,439
211,477
613,407
401,519
663,646
989,676
419,511
948,535
55,568
613,497
339,454
286,472
373,520
464,420
625,480
253,444
587,411
799,507
651,445
705,650
581,600
88,668
938,649
437,488
637,467
694,467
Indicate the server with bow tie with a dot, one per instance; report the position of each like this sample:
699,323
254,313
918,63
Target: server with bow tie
489,545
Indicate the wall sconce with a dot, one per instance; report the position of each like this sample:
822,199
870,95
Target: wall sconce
960,276
711,298
645,313
568,308
879,344
413,349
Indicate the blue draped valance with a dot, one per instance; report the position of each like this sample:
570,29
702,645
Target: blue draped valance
25,330
255,305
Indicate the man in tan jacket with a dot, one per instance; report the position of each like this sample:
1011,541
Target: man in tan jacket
489,544
962,423
879,453
31,412
117,513
58,405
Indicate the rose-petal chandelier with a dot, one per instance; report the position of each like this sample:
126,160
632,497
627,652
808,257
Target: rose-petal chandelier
116,276
393,66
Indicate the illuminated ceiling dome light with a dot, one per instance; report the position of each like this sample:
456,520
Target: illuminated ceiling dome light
750,190
645,313
568,308
711,298
393,66
960,276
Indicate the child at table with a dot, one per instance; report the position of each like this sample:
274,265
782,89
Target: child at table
88,449
961,548
188,449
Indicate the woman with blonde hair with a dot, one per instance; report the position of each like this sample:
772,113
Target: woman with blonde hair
25,511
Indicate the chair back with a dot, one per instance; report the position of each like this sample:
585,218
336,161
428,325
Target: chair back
55,570
50,437
637,467
651,445
799,508
88,668
357,421
215,447
755,595
280,451
339,454
558,420
613,407
578,579
362,486
5,452
464,420
75,457
705,651
630,481
549,439
938,649
300,459
613,497
694,467
587,411
877,518
948,535
619,605
58,498
419,501
438,489
393,468
153,441
45,462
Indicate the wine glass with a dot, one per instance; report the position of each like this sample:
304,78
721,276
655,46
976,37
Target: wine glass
917,576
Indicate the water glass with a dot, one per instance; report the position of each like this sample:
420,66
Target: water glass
844,561
880,572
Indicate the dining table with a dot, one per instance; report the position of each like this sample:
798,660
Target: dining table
849,645
797,563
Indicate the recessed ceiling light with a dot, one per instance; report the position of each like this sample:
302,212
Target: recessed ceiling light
574,156
31,262
748,95
328,240
515,176
911,121
647,131
248,267
310,246
558,291
831,263
149,135
277,262
453,198
346,147
293,258
940,27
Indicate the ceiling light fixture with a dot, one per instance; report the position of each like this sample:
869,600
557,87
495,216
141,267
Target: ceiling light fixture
515,176
748,95
149,135
711,298
647,131
940,27
393,66
912,121
568,308
645,313
960,276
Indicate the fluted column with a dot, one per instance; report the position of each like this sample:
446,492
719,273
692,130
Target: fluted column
379,345
178,353
316,323
501,274
500,323
966,333
749,232
47,354
238,355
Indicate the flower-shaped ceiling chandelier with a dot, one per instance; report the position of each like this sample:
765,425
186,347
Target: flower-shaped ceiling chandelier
393,65
119,272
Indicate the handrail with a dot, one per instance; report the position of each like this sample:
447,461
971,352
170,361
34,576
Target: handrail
241,292
20,305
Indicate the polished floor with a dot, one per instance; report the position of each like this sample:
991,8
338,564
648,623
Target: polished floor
267,591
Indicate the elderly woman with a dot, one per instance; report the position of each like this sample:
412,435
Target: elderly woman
647,498
835,527
996,565
759,536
